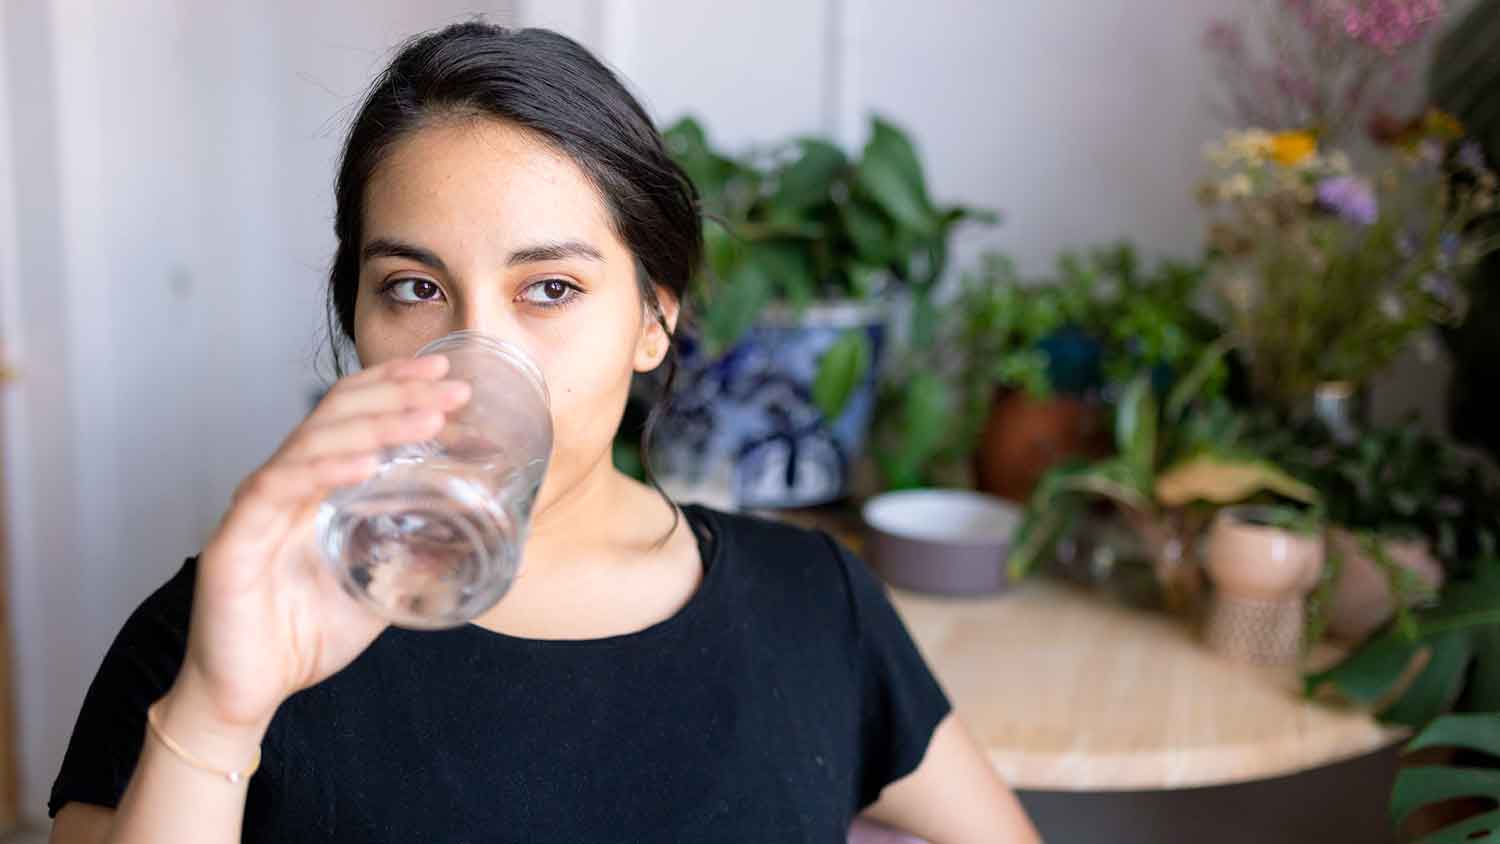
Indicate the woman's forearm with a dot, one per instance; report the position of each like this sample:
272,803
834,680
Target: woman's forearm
171,800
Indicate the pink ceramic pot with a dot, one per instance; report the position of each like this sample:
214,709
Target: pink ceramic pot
1261,574
1362,600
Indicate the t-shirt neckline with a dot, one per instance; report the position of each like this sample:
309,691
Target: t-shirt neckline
711,556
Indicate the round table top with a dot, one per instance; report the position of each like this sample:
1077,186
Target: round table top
1069,691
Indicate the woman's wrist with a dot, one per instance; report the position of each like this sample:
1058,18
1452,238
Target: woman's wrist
188,717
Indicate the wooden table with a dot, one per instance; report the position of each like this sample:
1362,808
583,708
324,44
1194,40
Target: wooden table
1070,692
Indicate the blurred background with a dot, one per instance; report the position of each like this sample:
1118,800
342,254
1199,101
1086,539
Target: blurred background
166,174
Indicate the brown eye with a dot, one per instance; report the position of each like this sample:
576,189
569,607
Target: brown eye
410,291
551,293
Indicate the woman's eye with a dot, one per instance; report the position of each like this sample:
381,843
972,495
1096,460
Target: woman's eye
411,291
551,293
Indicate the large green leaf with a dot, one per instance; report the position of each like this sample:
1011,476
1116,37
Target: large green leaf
1449,635
787,263
1473,731
734,304
710,172
1480,828
840,372
1438,685
810,178
1135,426
1370,673
891,174
870,233
1419,786
1483,693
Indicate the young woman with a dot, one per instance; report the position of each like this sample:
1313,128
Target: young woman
656,674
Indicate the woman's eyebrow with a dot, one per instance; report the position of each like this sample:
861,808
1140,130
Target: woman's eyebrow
553,252
388,247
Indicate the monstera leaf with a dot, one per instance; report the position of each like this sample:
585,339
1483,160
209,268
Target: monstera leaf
1450,656
1421,785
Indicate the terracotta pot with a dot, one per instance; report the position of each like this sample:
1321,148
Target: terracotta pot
1362,600
1261,575
1024,437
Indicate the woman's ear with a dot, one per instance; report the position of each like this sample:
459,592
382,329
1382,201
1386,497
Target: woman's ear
655,340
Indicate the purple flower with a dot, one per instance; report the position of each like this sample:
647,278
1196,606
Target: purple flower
1470,156
1350,197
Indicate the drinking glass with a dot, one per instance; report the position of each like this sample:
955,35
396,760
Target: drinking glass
434,537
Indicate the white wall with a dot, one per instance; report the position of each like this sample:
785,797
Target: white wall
1081,121
170,168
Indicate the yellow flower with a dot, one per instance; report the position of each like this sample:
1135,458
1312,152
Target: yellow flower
1292,148
1440,124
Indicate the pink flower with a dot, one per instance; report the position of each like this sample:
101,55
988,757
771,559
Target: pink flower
1224,37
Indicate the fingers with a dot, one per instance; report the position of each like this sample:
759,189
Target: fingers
366,434
428,366
389,395
277,490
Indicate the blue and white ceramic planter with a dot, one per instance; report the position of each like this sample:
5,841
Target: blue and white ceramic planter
749,414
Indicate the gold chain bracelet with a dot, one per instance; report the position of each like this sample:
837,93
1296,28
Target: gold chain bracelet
234,777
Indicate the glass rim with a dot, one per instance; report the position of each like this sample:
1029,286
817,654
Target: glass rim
510,351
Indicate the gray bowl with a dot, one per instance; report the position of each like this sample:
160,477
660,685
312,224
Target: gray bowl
946,541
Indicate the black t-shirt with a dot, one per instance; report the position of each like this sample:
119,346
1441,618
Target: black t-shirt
772,707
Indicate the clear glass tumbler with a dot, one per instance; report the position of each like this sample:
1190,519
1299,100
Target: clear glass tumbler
434,538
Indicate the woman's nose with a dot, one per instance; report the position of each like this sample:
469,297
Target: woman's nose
492,318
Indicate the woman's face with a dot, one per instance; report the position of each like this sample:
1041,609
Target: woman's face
476,224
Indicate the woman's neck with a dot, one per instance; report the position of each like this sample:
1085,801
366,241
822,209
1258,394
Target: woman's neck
604,509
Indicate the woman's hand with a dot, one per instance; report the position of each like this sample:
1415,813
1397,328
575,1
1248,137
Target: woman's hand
269,618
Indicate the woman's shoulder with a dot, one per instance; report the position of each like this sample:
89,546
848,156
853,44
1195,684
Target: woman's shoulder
774,553
762,537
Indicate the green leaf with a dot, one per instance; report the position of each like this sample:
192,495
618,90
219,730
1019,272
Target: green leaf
1473,731
869,232
735,305
1038,533
840,372
1419,786
709,171
809,180
924,320
891,175
1439,683
627,458
1206,369
788,265
1135,425
1370,673
1480,828
864,279
1483,693
924,413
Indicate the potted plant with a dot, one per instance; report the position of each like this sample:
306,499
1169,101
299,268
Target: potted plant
806,249
1019,380
1178,461
1400,501
1446,659
1325,272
